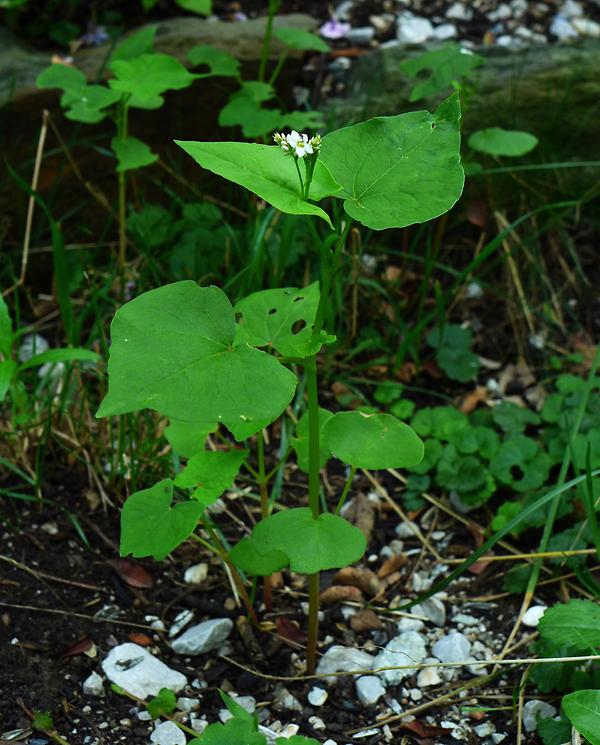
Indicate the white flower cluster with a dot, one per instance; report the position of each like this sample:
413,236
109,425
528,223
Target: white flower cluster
297,144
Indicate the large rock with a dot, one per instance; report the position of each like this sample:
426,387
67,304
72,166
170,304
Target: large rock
203,637
133,668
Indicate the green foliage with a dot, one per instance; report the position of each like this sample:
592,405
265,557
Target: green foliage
42,720
402,169
164,703
553,731
209,473
583,709
301,440
152,526
145,78
572,628
296,38
142,42
200,7
372,441
497,141
132,153
447,66
453,352
187,438
219,62
521,464
250,558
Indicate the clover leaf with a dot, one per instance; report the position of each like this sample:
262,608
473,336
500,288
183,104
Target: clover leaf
210,472
513,419
300,441
461,473
152,526
476,439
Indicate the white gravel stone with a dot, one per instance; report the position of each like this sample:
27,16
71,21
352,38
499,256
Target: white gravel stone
360,35
535,709
168,733
406,530
317,696
31,346
187,704
586,27
428,676
410,624
344,659
533,615
415,694
316,723
369,689
519,7
486,729
502,12
155,623
288,731
571,9
286,700
203,636
409,648
562,28
413,30
93,685
453,647
445,31
133,668
459,12
196,574
181,619
433,609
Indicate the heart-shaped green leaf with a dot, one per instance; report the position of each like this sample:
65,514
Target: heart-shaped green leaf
300,441
521,463
201,7
132,153
141,42
88,104
219,62
251,559
372,441
266,171
507,142
282,319
187,438
61,76
447,65
583,709
173,351
152,526
398,170
211,473
296,38
329,542
146,77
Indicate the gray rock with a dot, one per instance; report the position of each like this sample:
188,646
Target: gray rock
571,9
168,733
93,685
360,35
409,648
196,574
413,30
133,668
369,689
410,624
428,676
286,701
343,659
502,12
534,710
187,704
317,696
459,12
203,637
433,609
487,729
453,647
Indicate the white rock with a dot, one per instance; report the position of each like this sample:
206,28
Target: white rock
412,29
519,7
317,696
499,737
428,676
93,686
433,609
187,704
203,636
366,733
410,624
474,290
155,623
445,31
168,733
533,615
406,530
421,582
196,574
502,12
571,9
344,659
133,668
343,10
535,709
246,702
415,694
486,729
459,12
330,742
562,28
369,689
465,619
409,648
286,700
360,35
454,647
509,42
31,346
586,27
288,731
181,619
316,723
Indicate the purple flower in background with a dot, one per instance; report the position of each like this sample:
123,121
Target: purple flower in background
95,36
334,29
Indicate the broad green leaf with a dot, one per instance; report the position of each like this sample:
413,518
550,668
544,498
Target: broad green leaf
234,732
282,319
219,62
298,39
441,422
264,170
152,526
571,628
296,740
329,542
132,153
453,351
372,441
146,77
398,170
187,438
497,141
142,42
236,710
554,731
474,439
164,703
300,441
583,709
211,472
61,76
173,351
201,7
66,354
447,65
90,97
243,111
302,120
247,555
6,332
513,419
521,463
7,372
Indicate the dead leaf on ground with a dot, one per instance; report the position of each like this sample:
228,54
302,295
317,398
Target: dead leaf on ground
340,594
365,620
472,400
431,367
361,577
83,646
360,512
422,729
289,630
391,565
477,212
137,637
132,573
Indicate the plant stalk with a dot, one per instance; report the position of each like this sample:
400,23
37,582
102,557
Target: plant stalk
266,45
264,507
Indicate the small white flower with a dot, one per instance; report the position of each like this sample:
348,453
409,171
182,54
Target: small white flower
299,144
315,143
281,140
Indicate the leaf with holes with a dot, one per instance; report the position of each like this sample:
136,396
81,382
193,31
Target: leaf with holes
265,171
312,545
372,441
300,441
583,709
250,558
152,526
497,141
132,153
173,350
521,463
446,65
210,473
219,63
398,170
282,319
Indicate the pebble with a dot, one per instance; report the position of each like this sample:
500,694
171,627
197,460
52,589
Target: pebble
519,7
571,9
366,733
31,346
133,668
316,723
168,733
429,676
445,31
187,704
533,615
453,647
535,709
196,574
288,731
317,696
203,637
93,686
369,689
181,619
155,623
465,619
459,12
343,659
562,28
406,530
361,35
406,649
486,729
286,700
412,29
416,694
410,624
433,609
502,12
586,27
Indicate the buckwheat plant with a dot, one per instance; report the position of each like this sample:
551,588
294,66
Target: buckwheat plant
186,352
